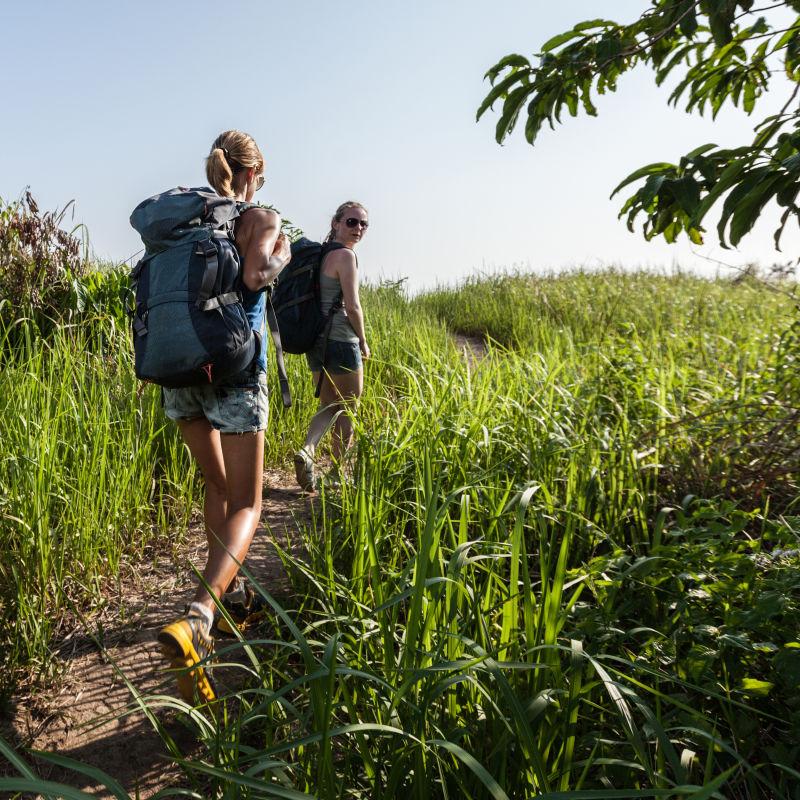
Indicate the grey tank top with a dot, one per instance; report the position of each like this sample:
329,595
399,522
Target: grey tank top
341,329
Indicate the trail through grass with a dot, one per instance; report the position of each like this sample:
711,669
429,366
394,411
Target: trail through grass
514,596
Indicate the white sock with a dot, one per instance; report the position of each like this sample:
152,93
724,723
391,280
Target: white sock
205,614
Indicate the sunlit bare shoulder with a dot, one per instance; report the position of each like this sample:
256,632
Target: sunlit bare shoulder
255,223
340,262
258,217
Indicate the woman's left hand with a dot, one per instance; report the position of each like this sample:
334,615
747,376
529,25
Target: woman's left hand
282,249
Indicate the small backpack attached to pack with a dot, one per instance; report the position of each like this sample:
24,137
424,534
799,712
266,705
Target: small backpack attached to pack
296,297
189,325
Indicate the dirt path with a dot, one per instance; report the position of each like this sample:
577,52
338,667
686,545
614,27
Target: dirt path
473,348
77,719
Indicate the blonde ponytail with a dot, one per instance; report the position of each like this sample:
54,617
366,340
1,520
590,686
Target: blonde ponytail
231,152
219,174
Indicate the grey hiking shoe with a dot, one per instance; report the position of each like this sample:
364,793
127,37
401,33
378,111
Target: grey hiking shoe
304,470
245,613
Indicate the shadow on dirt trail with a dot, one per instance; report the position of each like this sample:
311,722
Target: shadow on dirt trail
81,718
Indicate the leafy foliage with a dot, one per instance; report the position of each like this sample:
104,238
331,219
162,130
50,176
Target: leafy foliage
712,604
40,263
742,447
722,52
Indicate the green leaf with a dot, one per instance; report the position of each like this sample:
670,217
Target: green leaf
557,41
590,24
688,24
698,151
749,96
686,192
511,109
709,790
720,28
754,686
499,90
747,212
650,169
586,99
95,773
792,164
535,120
512,60
16,760
608,48
473,764
730,176
45,789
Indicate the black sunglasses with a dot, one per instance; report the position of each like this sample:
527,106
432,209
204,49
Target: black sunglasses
260,181
351,222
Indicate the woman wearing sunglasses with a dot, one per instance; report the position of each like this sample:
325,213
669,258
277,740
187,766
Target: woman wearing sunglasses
223,426
340,357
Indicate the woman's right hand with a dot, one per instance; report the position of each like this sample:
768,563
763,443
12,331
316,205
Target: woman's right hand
364,347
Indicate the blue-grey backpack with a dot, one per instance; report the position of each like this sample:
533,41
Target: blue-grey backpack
296,299
189,325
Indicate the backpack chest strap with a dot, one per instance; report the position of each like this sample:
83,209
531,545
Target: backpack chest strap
181,296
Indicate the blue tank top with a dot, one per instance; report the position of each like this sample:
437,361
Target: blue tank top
255,307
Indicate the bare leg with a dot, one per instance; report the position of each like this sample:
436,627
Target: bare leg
338,393
235,460
323,419
243,455
204,444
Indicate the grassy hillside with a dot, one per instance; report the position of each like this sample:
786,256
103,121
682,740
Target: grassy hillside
571,565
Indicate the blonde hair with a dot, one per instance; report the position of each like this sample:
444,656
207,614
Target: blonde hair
339,213
231,152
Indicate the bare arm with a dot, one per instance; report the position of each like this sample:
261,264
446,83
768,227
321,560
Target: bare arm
264,248
342,264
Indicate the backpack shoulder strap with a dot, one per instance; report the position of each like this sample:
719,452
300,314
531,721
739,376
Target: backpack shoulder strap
272,323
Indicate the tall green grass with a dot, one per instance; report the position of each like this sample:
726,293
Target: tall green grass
497,604
494,606
90,474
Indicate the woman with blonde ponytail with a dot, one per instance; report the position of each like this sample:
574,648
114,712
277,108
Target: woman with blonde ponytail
337,356
223,426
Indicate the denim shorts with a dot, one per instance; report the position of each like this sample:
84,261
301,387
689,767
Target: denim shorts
340,357
238,405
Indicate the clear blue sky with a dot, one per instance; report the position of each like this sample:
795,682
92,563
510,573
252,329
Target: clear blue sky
108,103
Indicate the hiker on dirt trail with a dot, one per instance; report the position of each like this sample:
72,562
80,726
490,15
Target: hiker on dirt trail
340,357
223,425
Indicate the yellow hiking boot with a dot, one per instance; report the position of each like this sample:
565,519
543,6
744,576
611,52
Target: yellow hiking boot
186,644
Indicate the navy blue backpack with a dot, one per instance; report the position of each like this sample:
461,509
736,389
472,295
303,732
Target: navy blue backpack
189,325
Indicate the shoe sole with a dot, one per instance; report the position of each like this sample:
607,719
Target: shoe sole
178,648
301,472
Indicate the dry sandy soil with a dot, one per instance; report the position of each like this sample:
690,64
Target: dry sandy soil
79,718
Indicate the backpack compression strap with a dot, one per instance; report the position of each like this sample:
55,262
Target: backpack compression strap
137,316
272,321
205,301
